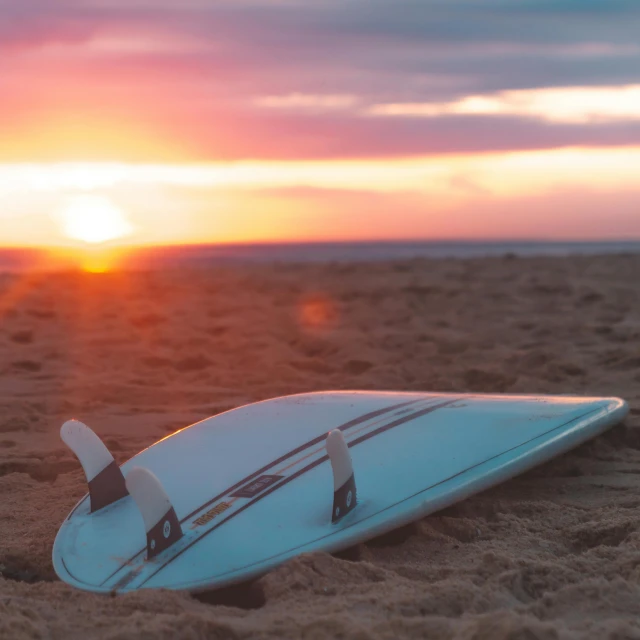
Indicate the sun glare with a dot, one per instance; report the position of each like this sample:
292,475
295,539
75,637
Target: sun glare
94,219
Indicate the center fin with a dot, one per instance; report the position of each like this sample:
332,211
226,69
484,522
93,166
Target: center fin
344,482
105,480
161,523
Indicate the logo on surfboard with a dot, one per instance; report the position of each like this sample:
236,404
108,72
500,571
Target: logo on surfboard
211,514
257,486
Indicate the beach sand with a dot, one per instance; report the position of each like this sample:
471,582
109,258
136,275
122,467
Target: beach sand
552,554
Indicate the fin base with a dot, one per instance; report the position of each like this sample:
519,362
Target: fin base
162,535
107,487
344,499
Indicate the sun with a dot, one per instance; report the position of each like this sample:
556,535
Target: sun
94,219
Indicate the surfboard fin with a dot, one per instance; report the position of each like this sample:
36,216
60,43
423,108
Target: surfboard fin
105,480
160,520
344,482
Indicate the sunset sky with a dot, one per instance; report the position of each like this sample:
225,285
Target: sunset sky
260,120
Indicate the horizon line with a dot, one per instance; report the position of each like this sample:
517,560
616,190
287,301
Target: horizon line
96,247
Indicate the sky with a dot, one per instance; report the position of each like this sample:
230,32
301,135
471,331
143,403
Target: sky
266,120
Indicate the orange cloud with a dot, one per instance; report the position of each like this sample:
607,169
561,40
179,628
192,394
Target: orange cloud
562,104
79,137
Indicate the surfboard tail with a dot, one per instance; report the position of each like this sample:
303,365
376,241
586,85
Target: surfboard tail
160,520
105,480
344,482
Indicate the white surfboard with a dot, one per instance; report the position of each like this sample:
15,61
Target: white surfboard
233,496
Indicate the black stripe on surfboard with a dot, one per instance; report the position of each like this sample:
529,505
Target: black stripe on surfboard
347,425
315,441
445,480
297,474
433,486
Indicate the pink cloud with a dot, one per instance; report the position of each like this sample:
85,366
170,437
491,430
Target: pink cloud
198,73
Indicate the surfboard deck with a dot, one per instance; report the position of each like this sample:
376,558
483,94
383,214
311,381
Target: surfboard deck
253,487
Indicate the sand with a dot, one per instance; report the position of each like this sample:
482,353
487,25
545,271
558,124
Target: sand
552,554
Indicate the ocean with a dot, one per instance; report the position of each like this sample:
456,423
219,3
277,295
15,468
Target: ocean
21,260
